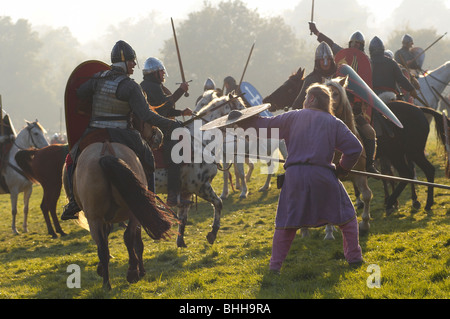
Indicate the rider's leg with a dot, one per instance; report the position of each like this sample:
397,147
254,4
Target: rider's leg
72,208
370,143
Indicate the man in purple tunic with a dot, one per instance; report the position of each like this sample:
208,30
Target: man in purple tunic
312,195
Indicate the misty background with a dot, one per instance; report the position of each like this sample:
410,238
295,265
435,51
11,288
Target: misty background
214,40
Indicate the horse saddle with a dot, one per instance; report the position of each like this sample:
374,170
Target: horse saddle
100,135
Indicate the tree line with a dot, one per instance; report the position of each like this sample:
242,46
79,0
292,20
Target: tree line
214,41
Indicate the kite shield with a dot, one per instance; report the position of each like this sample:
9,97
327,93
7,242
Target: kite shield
78,112
358,87
252,97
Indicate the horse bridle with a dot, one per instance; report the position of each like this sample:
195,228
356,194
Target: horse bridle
29,128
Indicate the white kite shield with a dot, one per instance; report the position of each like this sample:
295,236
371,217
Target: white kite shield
235,117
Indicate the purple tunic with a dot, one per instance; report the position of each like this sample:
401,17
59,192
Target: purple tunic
312,196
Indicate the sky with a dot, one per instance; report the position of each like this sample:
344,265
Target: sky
90,18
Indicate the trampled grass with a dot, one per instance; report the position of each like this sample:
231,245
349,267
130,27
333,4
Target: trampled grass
410,247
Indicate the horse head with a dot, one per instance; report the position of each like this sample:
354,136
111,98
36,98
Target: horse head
341,104
32,135
206,97
287,92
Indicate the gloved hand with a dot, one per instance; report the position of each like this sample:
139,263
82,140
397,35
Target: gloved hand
313,28
340,171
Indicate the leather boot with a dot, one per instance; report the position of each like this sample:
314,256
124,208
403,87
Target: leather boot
72,208
370,146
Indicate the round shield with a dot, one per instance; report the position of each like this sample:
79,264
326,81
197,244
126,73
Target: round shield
419,55
235,117
252,97
78,112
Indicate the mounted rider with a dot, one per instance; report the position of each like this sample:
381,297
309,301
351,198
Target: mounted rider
324,67
386,73
406,57
162,101
362,115
230,85
115,99
209,85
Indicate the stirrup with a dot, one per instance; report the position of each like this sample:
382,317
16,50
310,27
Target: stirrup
70,211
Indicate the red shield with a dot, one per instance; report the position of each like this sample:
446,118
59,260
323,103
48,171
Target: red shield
359,88
77,111
359,62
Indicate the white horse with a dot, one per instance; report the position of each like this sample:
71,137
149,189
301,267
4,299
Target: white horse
196,177
32,135
438,79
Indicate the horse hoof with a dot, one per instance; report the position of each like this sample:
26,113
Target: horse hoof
107,286
416,205
329,237
389,211
133,276
181,243
263,189
211,237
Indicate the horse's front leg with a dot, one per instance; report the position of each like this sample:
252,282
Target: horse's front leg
226,174
14,197
251,167
208,194
240,175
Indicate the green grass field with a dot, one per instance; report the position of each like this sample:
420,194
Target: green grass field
411,249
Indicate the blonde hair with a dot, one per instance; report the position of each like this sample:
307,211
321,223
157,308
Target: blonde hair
318,96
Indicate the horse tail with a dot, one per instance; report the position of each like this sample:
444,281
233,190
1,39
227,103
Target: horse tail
156,222
439,122
24,159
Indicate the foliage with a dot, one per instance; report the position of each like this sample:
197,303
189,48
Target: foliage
410,246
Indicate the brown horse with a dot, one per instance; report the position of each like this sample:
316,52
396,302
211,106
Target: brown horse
45,166
109,185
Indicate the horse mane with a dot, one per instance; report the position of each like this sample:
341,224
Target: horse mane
217,101
344,110
36,123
